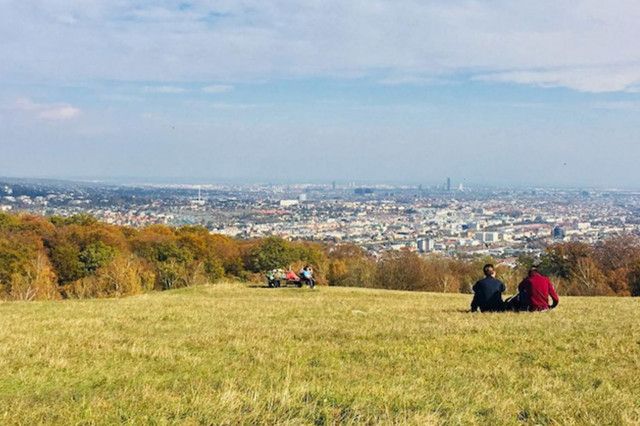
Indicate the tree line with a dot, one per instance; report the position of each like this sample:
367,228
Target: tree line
45,258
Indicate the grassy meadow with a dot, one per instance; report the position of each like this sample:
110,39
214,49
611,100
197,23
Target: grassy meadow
230,354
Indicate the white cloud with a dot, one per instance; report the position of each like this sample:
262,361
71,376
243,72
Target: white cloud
52,112
618,105
412,80
218,88
170,90
584,45
61,112
593,79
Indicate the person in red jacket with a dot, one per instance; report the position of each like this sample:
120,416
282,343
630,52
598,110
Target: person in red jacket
291,276
536,290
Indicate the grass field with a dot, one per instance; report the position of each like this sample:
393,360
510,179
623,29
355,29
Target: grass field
236,355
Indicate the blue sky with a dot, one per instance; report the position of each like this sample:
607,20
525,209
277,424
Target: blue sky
487,92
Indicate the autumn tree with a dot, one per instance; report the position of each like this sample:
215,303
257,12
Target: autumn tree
125,275
401,270
36,282
350,266
25,270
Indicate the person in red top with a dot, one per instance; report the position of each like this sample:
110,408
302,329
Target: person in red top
291,276
535,291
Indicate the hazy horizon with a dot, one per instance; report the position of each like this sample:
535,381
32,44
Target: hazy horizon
496,93
426,185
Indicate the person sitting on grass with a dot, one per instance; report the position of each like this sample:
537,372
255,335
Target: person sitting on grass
516,303
535,291
488,291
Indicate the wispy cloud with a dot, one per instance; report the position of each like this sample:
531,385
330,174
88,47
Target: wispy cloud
218,88
170,90
618,105
591,79
53,112
412,81
119,97
582,45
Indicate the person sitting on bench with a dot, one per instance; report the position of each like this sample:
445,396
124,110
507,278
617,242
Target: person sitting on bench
306,275
291,276
272,280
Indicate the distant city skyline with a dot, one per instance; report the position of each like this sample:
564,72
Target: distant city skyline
427,186
533,93
504,223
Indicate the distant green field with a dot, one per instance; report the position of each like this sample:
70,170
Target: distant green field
236,355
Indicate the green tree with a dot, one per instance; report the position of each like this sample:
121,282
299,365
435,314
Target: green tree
66,262
270,253
82,219
96,255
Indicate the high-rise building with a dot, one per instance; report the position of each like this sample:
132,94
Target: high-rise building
426,245
558,233
448,184
199,201
489,237
289,203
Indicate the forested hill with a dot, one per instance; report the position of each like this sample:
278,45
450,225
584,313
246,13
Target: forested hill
79,257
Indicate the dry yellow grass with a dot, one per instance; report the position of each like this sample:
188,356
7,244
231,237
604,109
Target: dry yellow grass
228,354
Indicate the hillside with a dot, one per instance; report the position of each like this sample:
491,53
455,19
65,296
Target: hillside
232,354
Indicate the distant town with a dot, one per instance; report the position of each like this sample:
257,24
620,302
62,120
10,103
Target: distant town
448,219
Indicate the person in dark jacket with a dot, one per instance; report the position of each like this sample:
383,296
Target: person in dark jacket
535,291
488,292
